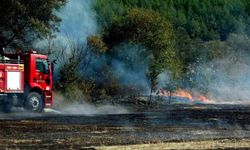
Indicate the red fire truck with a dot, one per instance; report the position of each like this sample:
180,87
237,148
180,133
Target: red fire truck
25,81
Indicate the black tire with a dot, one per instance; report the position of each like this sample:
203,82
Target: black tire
34,102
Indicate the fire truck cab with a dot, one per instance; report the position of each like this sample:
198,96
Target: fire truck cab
26,81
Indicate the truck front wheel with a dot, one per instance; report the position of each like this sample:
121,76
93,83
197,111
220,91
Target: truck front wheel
34,102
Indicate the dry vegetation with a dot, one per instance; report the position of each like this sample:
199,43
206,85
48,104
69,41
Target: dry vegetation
209,144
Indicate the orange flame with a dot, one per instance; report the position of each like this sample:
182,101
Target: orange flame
203,99
184,94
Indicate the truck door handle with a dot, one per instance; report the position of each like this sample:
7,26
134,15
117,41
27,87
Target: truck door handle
34,79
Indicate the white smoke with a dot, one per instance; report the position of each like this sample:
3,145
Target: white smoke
164,79
226,79
63,105
78,19
90,109
226,82
130,66
78,22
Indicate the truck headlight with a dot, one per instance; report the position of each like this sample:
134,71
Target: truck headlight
47,88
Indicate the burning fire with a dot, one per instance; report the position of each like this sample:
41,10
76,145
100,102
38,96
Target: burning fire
184,94
203,99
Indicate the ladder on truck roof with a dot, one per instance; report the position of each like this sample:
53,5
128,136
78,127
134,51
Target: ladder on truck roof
6,60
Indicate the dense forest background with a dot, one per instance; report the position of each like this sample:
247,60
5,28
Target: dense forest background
141,46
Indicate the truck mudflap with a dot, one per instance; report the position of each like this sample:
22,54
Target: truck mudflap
48,97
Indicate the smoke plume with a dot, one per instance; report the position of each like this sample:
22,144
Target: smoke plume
78,22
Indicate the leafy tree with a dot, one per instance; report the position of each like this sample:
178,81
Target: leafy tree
96,45
24,20
149,29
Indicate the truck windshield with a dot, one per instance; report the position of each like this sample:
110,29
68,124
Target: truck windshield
42,65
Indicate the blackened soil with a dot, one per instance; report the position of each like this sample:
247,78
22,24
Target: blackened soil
153,125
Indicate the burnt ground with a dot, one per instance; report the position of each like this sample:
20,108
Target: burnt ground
157,124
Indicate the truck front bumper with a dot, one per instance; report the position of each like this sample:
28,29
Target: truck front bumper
48,97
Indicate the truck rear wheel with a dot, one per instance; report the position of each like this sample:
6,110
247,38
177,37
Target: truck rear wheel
34,102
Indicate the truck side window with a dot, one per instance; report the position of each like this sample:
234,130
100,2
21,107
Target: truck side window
42,66
39,65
